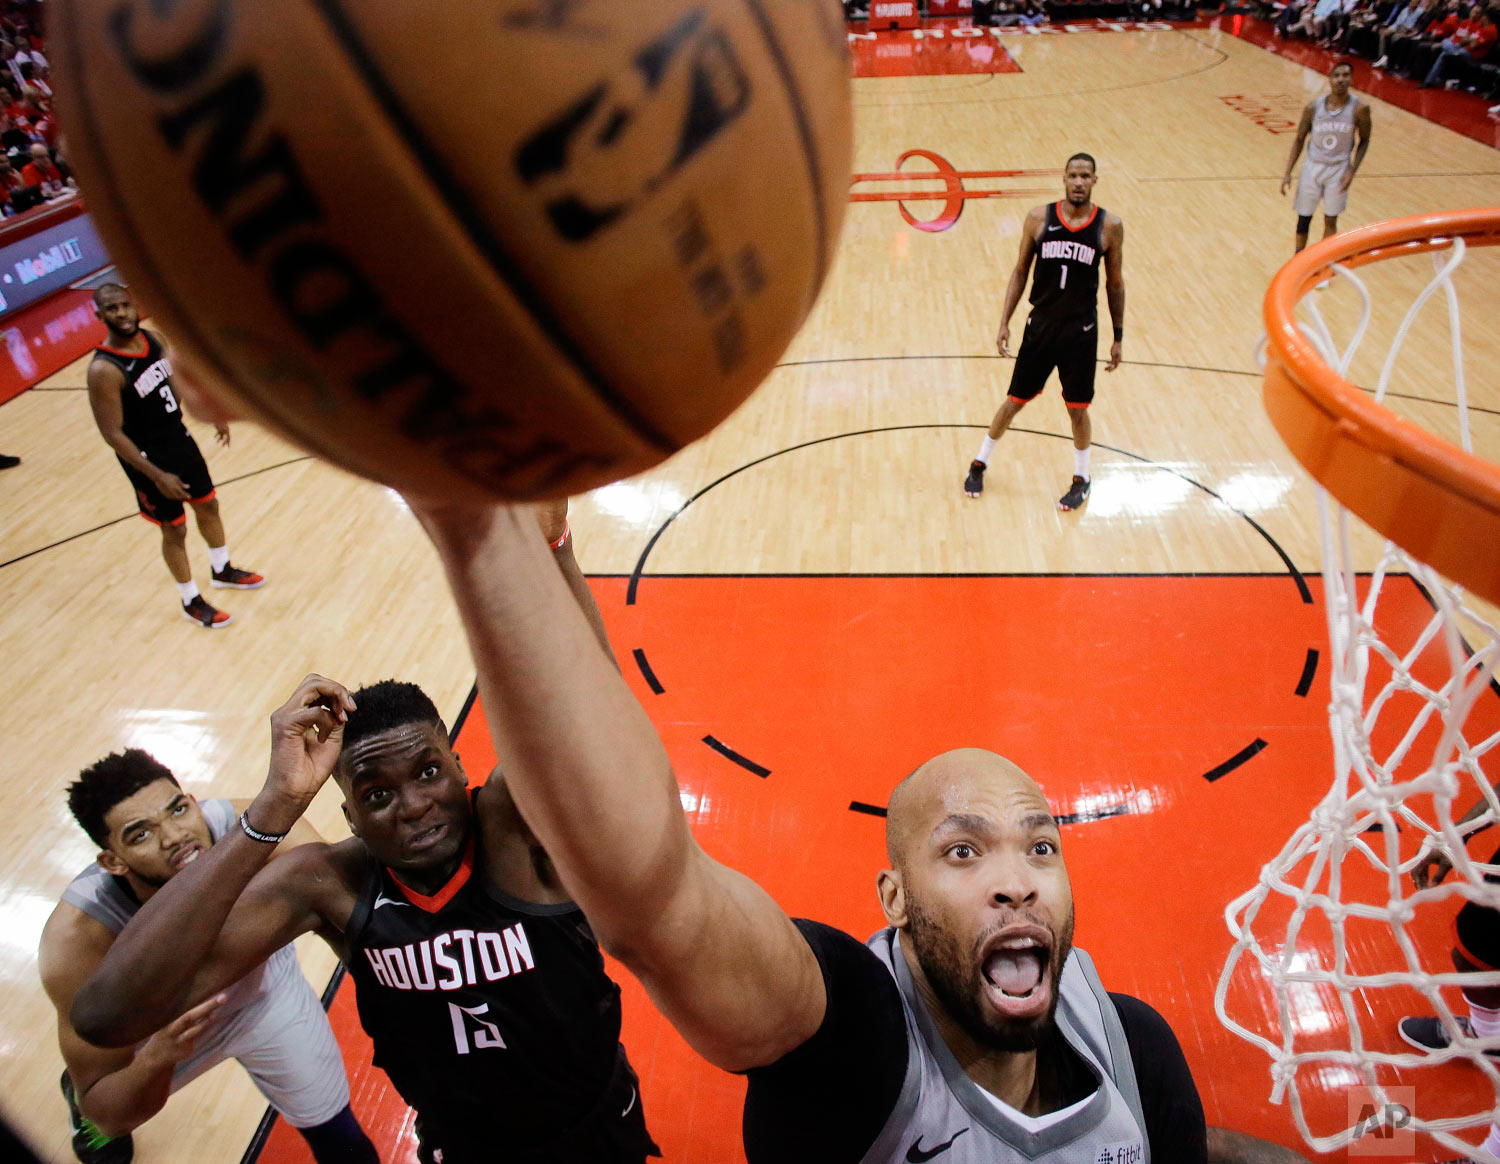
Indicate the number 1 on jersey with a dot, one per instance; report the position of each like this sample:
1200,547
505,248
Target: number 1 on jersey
1062,277
485,1038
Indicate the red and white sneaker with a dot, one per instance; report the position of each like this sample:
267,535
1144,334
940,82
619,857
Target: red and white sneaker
206,616
233,578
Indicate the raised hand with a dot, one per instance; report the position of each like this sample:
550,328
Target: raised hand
307,732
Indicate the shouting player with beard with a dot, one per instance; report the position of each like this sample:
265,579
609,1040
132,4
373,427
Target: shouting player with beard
969,1028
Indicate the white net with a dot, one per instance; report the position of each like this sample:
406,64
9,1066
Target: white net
1337,940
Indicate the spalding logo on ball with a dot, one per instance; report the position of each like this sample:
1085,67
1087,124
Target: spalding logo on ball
511,248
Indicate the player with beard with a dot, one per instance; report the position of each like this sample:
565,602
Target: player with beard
149,830
137,407
968,1029
478,980
1067,241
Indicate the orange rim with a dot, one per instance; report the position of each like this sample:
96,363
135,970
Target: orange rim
1437,502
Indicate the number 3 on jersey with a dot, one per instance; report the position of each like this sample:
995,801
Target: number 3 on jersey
166,395
486,1034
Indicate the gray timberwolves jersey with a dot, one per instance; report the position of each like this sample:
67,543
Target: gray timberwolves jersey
108,900
942,1109
1332,137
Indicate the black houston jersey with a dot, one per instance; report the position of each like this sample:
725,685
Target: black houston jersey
493,1017
147,401
1065,282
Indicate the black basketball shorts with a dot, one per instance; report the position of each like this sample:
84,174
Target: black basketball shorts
180,455
1476,930
1071,346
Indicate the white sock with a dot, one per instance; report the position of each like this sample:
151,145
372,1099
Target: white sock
1081,462
1486,1023
985,449
188,590
1492,1141
218,558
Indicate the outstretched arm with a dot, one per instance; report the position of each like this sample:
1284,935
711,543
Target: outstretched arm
718,955
226,912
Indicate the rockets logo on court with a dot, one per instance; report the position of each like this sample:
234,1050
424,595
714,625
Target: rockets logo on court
453,961
916,186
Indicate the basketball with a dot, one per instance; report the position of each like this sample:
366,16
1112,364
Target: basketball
510,249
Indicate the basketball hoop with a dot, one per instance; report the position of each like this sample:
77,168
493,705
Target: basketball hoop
1439,503
1411,710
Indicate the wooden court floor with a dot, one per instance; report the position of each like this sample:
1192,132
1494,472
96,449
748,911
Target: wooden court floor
824,602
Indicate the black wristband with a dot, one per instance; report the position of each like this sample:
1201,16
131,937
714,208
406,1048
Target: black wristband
255,834
1119,334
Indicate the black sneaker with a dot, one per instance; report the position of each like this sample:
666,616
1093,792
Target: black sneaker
90,1145
1076,495
206,616
233,578
1427,1033
8,462
974,482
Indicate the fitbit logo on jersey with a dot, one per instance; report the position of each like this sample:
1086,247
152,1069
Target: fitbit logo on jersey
453,960
1129,1152
1068,250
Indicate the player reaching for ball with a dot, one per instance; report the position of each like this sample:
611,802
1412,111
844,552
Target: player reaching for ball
140,417
1067,240
478,980
971,1028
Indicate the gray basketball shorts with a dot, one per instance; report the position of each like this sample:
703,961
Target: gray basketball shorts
284,1042
1321,183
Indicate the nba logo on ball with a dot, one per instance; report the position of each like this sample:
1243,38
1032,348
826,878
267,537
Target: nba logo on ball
490,249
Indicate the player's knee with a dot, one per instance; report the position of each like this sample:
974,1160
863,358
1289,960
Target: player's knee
174,533
1304,223
209,508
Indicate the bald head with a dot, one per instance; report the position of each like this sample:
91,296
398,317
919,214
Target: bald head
945,785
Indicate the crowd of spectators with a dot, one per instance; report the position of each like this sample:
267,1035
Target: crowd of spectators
33,168
1007,13
1434,42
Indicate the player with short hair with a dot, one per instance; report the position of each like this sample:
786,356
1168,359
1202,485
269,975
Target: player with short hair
1067,241
131,392
1328,127
478,980
970,1028
148,830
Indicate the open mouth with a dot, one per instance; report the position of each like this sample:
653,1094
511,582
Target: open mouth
184,856
1015,969
427,837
